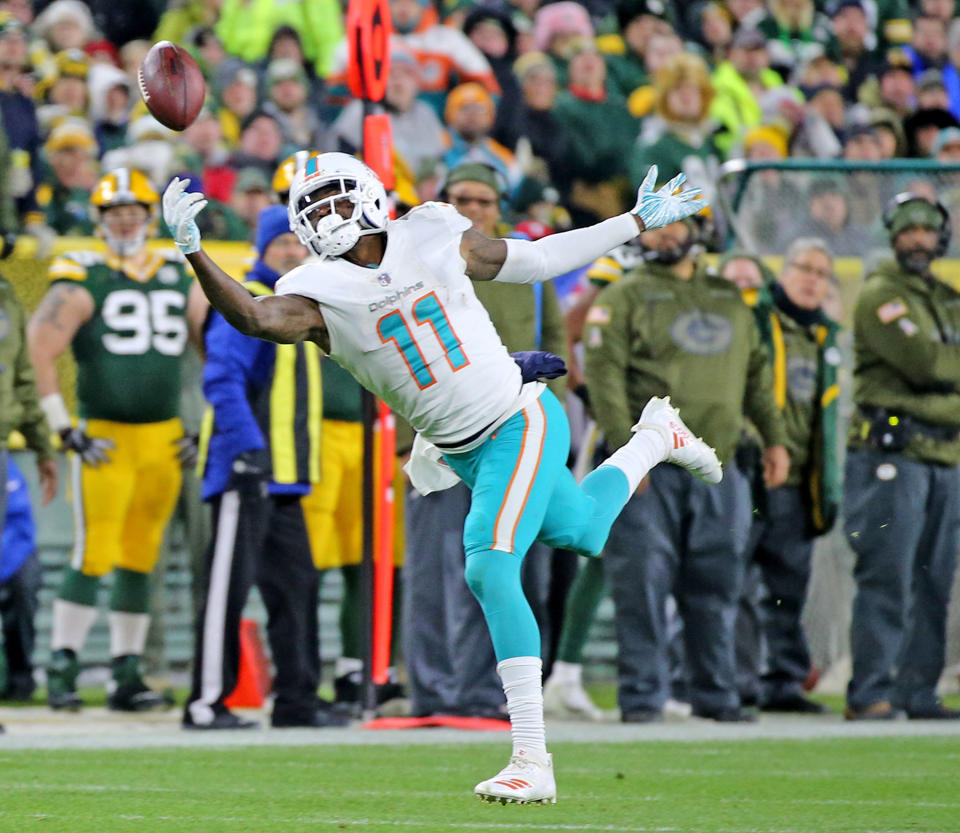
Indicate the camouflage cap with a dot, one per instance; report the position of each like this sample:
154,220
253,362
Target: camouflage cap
915,213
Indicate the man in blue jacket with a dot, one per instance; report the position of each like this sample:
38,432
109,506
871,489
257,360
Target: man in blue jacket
19,585
259,456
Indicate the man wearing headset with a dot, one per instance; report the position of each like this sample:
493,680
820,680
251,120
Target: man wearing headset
903,470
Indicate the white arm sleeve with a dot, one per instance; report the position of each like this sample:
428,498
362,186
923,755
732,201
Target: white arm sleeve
557,254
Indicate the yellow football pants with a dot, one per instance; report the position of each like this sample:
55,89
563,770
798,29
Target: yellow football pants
333,510
121,508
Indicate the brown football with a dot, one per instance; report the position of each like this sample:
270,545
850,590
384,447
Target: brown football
171,85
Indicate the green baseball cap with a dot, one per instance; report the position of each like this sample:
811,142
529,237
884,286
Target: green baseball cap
474,172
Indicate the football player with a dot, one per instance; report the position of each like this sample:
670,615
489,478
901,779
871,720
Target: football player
124,313
392,301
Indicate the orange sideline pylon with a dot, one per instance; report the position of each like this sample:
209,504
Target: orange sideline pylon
253,677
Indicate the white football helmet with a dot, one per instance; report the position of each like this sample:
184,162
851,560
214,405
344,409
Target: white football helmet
331,235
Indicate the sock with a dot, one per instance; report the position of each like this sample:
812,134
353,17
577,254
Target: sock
128,633
584,598
642,452
131,591
522,683
567,672
79,588
71,624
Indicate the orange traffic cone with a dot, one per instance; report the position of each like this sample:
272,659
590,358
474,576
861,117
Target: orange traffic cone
253,677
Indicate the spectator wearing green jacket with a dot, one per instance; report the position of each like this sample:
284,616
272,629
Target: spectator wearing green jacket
640,21
598,127
19,403
680,135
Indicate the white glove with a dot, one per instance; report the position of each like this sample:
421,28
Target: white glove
179,212
660,208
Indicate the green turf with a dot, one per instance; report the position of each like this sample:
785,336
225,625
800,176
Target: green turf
906,785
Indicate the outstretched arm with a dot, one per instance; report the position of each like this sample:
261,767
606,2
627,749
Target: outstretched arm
523,261
282,318
285,319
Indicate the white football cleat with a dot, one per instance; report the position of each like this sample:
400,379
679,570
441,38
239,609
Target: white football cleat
525,780
568,698
684,449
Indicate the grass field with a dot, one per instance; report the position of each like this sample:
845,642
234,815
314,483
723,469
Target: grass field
880,785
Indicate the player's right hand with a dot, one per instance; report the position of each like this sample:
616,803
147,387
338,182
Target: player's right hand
662,207
180,210
92,450
538,364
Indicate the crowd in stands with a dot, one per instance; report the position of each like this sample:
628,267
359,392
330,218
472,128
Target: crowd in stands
570,102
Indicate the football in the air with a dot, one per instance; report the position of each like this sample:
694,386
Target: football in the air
171,85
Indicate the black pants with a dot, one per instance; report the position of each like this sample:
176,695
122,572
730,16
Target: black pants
18,610
260,539
772,655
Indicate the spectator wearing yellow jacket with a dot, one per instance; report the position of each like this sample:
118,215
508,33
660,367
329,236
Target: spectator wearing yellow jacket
737,83
246,27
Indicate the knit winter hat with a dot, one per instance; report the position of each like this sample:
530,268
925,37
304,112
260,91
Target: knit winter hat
272,223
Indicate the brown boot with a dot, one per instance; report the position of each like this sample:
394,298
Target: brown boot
882,710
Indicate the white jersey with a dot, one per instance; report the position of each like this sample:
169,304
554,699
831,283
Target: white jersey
412,330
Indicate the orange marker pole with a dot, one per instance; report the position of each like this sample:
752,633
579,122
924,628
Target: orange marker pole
368,28
383,566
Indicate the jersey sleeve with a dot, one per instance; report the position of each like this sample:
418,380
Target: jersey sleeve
67,267
304,281
432,221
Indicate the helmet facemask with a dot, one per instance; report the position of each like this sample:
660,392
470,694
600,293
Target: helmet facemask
127,246
313,214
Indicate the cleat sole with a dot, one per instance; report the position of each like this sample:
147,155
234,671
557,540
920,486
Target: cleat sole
503,800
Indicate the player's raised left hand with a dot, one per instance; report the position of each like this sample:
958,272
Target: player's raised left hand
659,208
180,210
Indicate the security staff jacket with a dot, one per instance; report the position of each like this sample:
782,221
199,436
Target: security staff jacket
907,359
19,537
19,403
266,402
655,334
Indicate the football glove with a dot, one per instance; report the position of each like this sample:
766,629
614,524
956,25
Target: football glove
188,450
179,213
661,207
536,365
92,450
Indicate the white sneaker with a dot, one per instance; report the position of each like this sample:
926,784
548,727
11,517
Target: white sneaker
683,447
676,709
568,698
525,780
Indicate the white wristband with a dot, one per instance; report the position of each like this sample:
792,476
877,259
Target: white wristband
56,410
557,254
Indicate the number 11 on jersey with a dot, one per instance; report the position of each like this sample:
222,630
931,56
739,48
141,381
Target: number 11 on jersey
426,310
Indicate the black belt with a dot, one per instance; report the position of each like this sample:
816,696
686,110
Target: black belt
905,427
465,440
